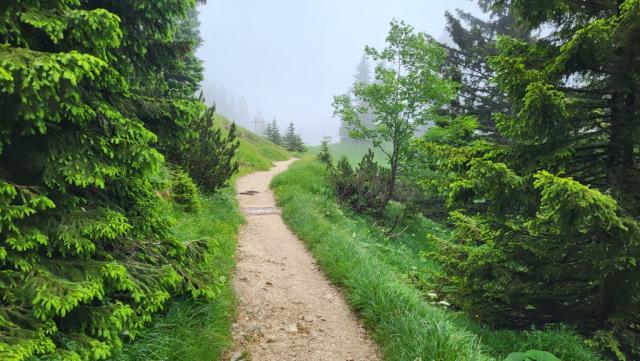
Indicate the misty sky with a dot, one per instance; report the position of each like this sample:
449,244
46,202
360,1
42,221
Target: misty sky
288,58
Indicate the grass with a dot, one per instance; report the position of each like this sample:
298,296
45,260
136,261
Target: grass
384,281
195,331
190,330
255,152
353,150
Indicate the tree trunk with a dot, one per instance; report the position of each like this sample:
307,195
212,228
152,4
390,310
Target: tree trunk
391,185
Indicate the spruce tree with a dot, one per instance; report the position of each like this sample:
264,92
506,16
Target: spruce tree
292,141
86,252
546,219
273,133
324,155
474,42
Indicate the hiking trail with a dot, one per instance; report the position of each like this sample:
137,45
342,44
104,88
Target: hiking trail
287,308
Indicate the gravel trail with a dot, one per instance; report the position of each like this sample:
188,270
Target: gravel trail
287,309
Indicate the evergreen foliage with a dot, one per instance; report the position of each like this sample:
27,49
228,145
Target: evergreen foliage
292,141
91,93
184,191
362,189
343,180
273,133
208,156
475,41
325,155
546,217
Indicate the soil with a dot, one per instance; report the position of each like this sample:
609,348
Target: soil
287,308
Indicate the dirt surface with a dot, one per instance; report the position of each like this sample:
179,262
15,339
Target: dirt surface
287,309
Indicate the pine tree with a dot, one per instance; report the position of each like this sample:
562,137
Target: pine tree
209,157
86,251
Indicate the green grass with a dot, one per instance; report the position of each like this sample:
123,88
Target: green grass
255,152
383,280
195,331
191,330
353,150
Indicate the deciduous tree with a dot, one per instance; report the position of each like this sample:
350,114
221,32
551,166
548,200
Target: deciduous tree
408,92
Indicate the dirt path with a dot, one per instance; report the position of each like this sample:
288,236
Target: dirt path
287,309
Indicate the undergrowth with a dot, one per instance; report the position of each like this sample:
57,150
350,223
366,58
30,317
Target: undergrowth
386,280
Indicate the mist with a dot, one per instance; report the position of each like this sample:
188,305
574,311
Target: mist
286,59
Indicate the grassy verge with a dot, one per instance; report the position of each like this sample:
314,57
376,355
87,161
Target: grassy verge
195,331
382,281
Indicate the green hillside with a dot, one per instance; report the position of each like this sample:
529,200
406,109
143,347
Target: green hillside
255,152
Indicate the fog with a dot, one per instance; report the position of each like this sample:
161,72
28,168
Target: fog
288,58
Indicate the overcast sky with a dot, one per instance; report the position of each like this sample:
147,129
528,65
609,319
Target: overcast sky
288,58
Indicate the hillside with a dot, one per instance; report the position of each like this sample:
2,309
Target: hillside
255,152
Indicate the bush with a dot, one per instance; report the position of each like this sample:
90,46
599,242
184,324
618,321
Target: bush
343,180
184,191
209,156
362,189
371,185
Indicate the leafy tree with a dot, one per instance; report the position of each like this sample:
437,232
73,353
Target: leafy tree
407,93
292,141
273,133
546,220
86,252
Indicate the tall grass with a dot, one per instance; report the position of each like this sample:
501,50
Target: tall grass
188,330
376,275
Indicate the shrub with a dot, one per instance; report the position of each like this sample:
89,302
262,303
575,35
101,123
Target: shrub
184,191
363,189
209,156
371,185
343,180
